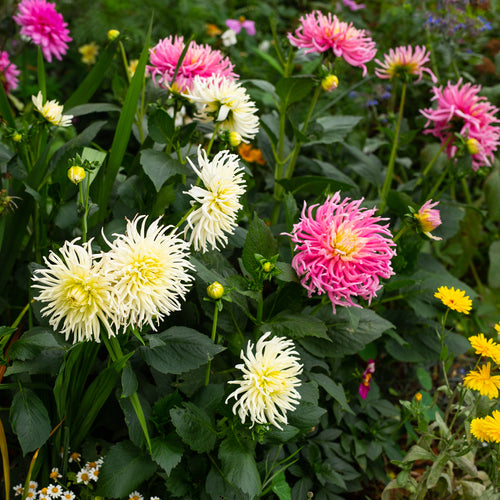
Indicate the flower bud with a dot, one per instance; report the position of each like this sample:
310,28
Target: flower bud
267,267
473,146
330,83
234,139
215,290
17,137
418,397
113,35
76,174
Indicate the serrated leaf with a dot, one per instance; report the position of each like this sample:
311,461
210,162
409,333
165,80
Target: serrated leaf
167,451
6,330
281,487
159,167
294,89
194,427
32,343
125,467
29,420
238,464
336,391
296,326
418,453
179,349
259,240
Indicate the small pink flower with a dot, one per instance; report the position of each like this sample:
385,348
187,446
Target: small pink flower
200,60
428,218
237,24
341,250
404,61
353,5
8,73
364,387
44,26
319,33
460,109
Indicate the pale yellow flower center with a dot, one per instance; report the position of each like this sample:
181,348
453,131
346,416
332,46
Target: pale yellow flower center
145,270
345,243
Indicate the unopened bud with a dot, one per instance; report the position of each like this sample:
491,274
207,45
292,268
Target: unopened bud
17,137
418,397
473,146
267,267
215,290
234,139
113,35
76,174
330,83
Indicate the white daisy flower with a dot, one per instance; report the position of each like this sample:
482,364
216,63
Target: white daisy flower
68,495
52,111
228,38
33,485
225,101
223,184
155,498
149,268
31,494
77,292
18,489
135,495
94,473
55,474
268,389
54,491
83,476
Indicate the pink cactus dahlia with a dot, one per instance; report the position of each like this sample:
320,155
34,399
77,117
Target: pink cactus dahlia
341,250
319,33
403,62
460,109
428,218
8,72
199,60
44,26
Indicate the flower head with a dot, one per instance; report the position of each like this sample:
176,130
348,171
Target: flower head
215,290
78,293
83,476
319,33
485,347
68,495
89,52
135,495
226,102
199,60
364,387
461,110
341,250
330,83
428,218
149,269
228,38
54,491
8,73
44,26
492,426
481,380
251,154
52,111
223,184
55,474
405,62
479,429
76,174
238,24
454,299
268,389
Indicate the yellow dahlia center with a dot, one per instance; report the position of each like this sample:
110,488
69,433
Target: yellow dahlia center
80,295
425,224
345,243
145,270
269,382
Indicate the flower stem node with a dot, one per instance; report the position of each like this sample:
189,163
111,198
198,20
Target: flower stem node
215,290
330,83
113,35
76,174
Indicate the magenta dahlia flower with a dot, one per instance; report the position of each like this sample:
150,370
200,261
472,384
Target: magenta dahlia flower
319,33
341,250
404,61
364,387
8,73
199,60
460,109
44,26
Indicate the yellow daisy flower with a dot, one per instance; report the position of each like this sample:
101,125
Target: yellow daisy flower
483,346
478,429
492,426
482,381
454,299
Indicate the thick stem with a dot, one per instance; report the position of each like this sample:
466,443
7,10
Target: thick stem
214,331
214,135
392,159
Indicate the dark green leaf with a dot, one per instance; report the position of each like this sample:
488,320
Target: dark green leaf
335,390
29,420
296,326
194,427
6,330
159,167
238,464
294,89
334,128
424,378
161,126
179,349
125,467
494,270
129,381
314,184
167,451
96,107
32,343
281,487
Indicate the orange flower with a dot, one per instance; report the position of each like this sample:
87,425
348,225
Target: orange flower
250,154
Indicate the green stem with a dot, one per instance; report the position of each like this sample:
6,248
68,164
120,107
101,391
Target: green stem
185,216
438,183
467,195
214,330
216,129
400,233
124,60
392,159
41,74
441,341
115,352
433,160
21,314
